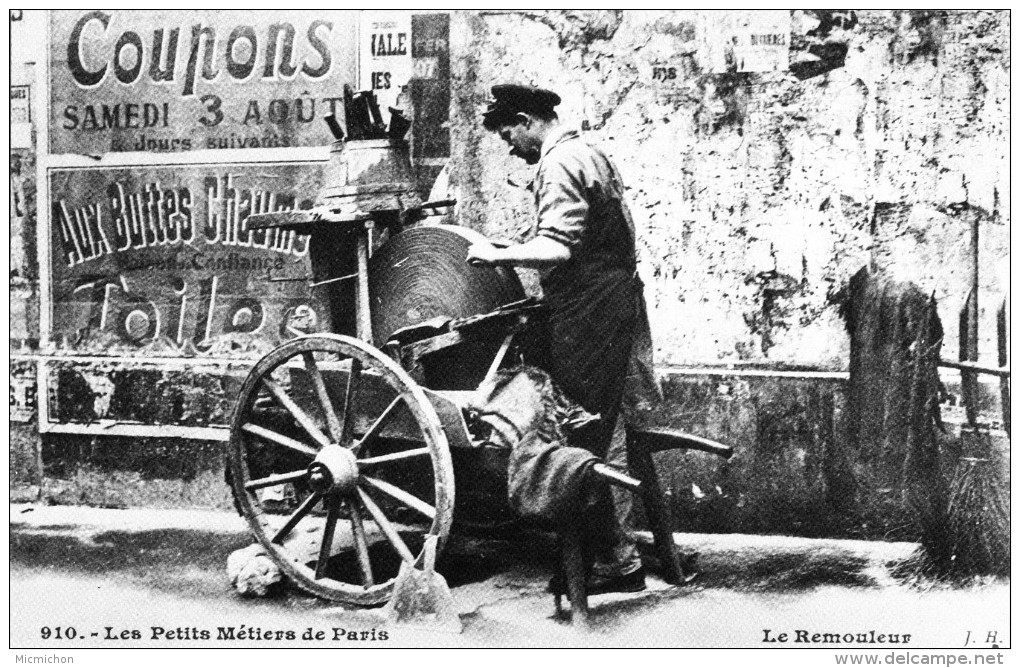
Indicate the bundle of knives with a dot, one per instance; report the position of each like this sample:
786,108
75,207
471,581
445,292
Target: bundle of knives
364,120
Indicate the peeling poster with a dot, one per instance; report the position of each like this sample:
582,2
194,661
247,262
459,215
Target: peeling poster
757,41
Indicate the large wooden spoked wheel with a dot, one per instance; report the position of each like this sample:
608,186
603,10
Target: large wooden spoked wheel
340,465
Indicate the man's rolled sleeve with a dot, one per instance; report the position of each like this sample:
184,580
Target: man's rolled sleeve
562,204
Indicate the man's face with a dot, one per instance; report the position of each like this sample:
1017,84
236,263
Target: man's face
524,142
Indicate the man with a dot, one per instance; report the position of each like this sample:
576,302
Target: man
583,247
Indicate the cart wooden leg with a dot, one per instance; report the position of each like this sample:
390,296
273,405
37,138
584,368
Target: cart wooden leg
639,460
574,574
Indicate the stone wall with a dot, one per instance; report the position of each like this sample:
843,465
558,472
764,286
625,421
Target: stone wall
758,194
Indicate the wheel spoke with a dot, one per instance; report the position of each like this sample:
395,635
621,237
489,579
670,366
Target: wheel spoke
412,502
332,421
279,439
292,521
386,527
347,425
394,457
361,543
275,479
296,411
302,402
332,514
378,425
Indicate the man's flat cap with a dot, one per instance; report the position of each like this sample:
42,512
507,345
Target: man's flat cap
508,100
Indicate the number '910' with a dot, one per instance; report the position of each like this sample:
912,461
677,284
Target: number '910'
58,633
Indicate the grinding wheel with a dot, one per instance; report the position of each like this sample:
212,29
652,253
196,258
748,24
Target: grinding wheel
422,273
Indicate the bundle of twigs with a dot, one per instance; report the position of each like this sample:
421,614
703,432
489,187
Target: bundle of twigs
979,514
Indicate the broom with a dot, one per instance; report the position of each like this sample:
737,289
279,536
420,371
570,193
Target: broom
978,508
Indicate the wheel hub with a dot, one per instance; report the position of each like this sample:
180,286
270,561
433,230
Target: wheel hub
334,469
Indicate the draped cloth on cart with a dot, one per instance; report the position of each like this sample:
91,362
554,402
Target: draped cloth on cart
548,478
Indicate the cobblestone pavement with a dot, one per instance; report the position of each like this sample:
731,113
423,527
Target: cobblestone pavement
156,578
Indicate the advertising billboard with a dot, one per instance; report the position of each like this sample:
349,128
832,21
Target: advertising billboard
169,81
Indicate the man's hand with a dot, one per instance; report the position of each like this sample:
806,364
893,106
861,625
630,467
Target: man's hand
483,254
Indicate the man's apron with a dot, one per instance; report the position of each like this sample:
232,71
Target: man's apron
594,312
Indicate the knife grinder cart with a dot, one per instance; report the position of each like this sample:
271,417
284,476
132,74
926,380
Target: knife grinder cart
365,431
